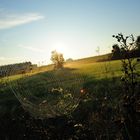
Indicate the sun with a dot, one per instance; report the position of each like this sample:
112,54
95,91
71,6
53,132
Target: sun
61,47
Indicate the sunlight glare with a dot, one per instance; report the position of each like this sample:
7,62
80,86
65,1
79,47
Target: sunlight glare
61,48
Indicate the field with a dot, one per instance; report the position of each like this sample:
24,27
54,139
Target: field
83,96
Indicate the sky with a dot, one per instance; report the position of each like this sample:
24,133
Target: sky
31,29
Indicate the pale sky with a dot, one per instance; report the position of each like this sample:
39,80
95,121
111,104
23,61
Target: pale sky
31,29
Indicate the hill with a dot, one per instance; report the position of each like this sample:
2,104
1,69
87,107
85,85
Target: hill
92,59
84,97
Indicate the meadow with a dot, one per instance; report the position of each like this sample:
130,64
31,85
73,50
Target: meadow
82,98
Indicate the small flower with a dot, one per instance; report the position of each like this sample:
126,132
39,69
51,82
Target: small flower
78,125
82,91
45,101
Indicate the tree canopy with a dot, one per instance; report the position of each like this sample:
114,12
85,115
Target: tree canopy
57,59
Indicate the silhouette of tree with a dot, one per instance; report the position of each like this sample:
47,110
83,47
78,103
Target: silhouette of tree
57,59
130,85
138,42
116,51
116,48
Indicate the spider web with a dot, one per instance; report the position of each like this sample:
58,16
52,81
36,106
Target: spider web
48,94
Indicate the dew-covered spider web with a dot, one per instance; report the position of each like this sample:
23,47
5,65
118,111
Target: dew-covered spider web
47,94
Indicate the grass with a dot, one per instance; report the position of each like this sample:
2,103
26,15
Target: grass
99,80
35,82
92,68
98,69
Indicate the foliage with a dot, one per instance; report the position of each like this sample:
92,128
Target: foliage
127,46
54,93
14,69
138,43
100,114
91,120
116,51
130,97
57,59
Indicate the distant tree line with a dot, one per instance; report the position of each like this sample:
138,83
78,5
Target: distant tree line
119,52
19,68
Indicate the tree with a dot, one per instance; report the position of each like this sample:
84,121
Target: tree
116,51
130,82
57,59
69,60
138,42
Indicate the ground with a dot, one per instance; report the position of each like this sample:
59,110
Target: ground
88,95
